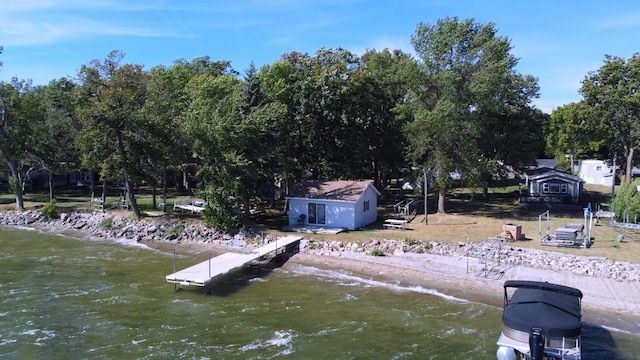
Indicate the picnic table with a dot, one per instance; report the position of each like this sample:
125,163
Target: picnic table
395,224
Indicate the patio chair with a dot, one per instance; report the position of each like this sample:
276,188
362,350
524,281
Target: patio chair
300,220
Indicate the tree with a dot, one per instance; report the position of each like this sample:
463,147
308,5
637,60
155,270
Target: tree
467,101
54,132
569,131
166,100
379,112
17,108
119,93
626,202
234,132
613,95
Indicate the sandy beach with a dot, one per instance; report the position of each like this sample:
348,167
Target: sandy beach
606,301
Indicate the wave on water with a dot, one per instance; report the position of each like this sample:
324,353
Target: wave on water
352,280
24,228
609,328
121,241
279,339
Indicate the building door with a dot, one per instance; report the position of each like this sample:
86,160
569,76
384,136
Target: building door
316,213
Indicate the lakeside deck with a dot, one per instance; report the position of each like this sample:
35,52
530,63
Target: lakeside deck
203,273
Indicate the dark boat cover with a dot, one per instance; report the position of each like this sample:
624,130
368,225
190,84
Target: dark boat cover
553,308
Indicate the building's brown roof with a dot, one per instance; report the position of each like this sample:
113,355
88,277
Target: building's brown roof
331,190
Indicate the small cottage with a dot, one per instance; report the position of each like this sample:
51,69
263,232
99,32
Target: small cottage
596,172
552,188
336,204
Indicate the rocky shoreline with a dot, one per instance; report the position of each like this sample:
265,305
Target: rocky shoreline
109,226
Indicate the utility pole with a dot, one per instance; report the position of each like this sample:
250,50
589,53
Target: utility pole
613,185
426,188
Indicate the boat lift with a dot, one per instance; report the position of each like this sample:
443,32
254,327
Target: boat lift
570,235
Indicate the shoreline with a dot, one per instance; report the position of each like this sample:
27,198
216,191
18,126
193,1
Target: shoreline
610,299
606,302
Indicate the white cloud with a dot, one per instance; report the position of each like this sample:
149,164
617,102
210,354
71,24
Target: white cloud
36,22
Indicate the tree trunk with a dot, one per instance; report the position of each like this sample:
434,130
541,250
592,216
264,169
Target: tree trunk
50,186
164,186
127,183
92,184
104,194
628,178
16,177
441,198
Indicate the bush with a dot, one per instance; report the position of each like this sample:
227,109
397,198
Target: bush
377,252
410,241
174,230
107,224
50,210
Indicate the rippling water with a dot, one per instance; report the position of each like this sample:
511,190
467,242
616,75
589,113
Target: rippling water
63,298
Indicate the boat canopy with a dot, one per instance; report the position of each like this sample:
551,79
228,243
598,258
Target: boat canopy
556,309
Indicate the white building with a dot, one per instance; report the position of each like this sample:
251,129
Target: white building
596,172
334,204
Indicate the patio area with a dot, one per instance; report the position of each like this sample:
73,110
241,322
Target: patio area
310,229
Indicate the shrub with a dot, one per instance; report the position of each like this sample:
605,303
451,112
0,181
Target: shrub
377,252
107,224
50,210
174,230
410,241
427,246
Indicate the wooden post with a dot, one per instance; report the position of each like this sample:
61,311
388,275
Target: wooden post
210,281
175,286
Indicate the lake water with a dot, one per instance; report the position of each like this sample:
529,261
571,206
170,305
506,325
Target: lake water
65,298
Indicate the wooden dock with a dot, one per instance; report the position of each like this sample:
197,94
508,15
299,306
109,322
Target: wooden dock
203,273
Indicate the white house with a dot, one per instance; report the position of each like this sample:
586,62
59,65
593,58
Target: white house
596,172
335,204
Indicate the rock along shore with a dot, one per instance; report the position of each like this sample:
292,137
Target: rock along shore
108,226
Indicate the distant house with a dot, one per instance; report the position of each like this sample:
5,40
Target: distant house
596,172
551,188
335,204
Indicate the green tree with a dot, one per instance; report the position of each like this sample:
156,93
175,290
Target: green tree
569,131
114,105
209,123
613,95
468,100
626,202
18,107
54,132
379,112
165,103
319,121
235,134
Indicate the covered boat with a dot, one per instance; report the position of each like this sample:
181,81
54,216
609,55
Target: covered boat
540,321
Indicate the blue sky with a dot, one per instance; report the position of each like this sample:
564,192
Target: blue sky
558,42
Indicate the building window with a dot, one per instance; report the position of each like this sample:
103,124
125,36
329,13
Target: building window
554,188
316,213
366,205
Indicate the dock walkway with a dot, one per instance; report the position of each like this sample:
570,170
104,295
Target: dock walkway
203,273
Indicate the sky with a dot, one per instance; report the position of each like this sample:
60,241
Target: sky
558,42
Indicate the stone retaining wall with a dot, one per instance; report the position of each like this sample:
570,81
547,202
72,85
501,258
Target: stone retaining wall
106,226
